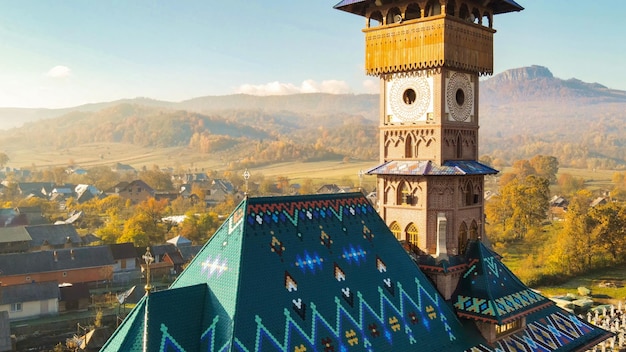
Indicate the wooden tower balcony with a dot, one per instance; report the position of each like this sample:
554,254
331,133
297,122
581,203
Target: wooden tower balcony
429,43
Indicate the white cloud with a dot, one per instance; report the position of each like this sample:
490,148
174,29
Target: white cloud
59,72
371,86
308,86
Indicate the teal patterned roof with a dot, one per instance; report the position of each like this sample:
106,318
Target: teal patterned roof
310,273
489,291
324,273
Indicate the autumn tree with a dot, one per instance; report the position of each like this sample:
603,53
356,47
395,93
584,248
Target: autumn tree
545,166
112,229
199,227
307,186
157,179
521,206
608,223
4,159
569,184
572,251
145,226
102,177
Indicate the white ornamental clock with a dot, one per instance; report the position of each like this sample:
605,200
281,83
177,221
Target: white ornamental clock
460,97
409,98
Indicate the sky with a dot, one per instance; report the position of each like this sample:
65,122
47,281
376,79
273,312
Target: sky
64,53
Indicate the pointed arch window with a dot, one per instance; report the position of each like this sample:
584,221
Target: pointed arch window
412,233
462,238
404,194
473,230
395,229
408,147
469,193
459,146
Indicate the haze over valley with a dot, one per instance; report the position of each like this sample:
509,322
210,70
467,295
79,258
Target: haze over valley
523,112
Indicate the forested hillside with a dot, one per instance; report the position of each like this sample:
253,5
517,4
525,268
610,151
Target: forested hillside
254,136
523,112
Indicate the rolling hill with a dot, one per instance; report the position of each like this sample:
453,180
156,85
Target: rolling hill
524,112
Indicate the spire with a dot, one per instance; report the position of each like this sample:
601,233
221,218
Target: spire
149,259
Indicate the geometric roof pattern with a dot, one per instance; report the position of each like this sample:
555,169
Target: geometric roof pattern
550,329
323,273
428,168
489,291
302,273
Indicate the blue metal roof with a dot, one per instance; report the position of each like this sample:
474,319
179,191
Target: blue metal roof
428,168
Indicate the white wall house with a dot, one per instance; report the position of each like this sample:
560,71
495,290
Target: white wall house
30,300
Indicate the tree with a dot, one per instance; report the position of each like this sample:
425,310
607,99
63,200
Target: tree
112,230
523,168
573,251
199,227
609,228
4,159
136,230
157,179
570,184
145,227
545,166
521,206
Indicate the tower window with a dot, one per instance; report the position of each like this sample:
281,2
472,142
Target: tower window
409,96
412,234
460,97
462,238
395,229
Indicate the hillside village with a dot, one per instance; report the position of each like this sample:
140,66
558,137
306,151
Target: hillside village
64,269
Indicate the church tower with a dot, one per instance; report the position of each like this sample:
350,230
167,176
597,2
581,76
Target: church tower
429,55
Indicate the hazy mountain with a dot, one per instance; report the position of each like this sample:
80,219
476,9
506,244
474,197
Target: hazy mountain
537,84
523,112
365,105
528,111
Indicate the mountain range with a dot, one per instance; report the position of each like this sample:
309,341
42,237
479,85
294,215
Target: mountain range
523,112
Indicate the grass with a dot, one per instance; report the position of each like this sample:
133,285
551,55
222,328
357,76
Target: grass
594,281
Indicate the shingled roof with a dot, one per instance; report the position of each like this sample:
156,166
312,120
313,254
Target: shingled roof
324,272
489,291
57,260
294,273
54,235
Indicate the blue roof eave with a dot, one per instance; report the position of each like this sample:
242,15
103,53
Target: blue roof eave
428,168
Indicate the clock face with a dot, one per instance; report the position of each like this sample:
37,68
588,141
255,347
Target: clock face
409,98
460,97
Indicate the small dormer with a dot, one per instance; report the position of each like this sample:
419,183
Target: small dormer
491,296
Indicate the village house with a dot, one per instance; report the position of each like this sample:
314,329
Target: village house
71,265
136,191
30,300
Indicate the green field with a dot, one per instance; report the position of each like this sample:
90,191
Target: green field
181,158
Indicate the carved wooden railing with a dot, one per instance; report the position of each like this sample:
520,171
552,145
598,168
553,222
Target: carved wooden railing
419,44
